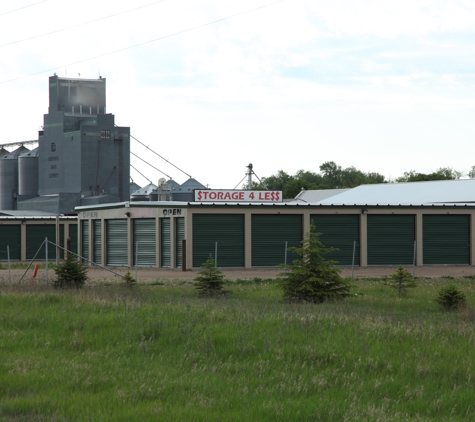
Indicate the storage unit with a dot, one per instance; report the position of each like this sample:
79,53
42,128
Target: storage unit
73,238
446,239
10,242
341,231
85,240
97,241
270,232
221,232
391,239
117,243
35,239
145,246
165,243
179,237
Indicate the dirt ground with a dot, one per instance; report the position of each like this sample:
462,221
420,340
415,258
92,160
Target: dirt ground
156,274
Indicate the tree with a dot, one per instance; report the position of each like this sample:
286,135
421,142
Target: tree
210,281
450,298
401,281
312,278
70,273
442,173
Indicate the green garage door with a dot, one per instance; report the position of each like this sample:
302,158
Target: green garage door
339,231
85,240
145,244
179,237
97,241
35,236
11,237
446,239
269,234
73,238
117,243
227,230
391,239
165,243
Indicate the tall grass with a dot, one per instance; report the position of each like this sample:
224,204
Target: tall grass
160,353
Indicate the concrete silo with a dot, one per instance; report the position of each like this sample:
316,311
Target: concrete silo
9,179
28,174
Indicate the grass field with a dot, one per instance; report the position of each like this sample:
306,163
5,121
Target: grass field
157,352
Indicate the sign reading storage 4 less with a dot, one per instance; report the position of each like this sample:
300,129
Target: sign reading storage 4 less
210,195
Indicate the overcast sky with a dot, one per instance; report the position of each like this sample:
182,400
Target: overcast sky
213,85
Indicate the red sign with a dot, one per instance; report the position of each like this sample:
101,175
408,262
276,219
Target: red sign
210,195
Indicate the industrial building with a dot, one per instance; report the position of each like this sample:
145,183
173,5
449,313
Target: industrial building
425,223
82,158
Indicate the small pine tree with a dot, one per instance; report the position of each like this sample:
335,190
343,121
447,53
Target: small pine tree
450,298
70,273
210,281
312,278
129,280
401,281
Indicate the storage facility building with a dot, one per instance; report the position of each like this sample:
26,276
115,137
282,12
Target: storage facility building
388,224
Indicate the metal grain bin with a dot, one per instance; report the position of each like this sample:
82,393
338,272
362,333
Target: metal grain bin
143,194
9,178
28,173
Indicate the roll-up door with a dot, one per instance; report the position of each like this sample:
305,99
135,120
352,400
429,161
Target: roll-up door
73,238
165,246
446,239
339,231
11,237
145,245
391,239
35,236
85,240
179,237
97,242
221,232
269,234
117,244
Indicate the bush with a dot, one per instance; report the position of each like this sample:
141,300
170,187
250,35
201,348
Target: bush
210,280
450,298
129,280
312,278
402,280
70,273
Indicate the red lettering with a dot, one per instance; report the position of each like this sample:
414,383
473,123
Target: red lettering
212,195
251,195
241,195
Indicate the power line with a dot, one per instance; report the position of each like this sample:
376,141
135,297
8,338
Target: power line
158,155
24,7
81,24
145,42
135,155
145,177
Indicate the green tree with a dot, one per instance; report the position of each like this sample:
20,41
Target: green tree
450,298
401,281
442,173
312,278
210,281
70,273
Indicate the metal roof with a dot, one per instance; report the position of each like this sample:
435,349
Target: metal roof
436,192
313,196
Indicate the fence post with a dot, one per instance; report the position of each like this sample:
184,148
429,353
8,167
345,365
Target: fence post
285,257
46,258
353,262
414,260
9,269
136,257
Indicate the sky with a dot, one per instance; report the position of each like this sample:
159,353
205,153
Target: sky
385,86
